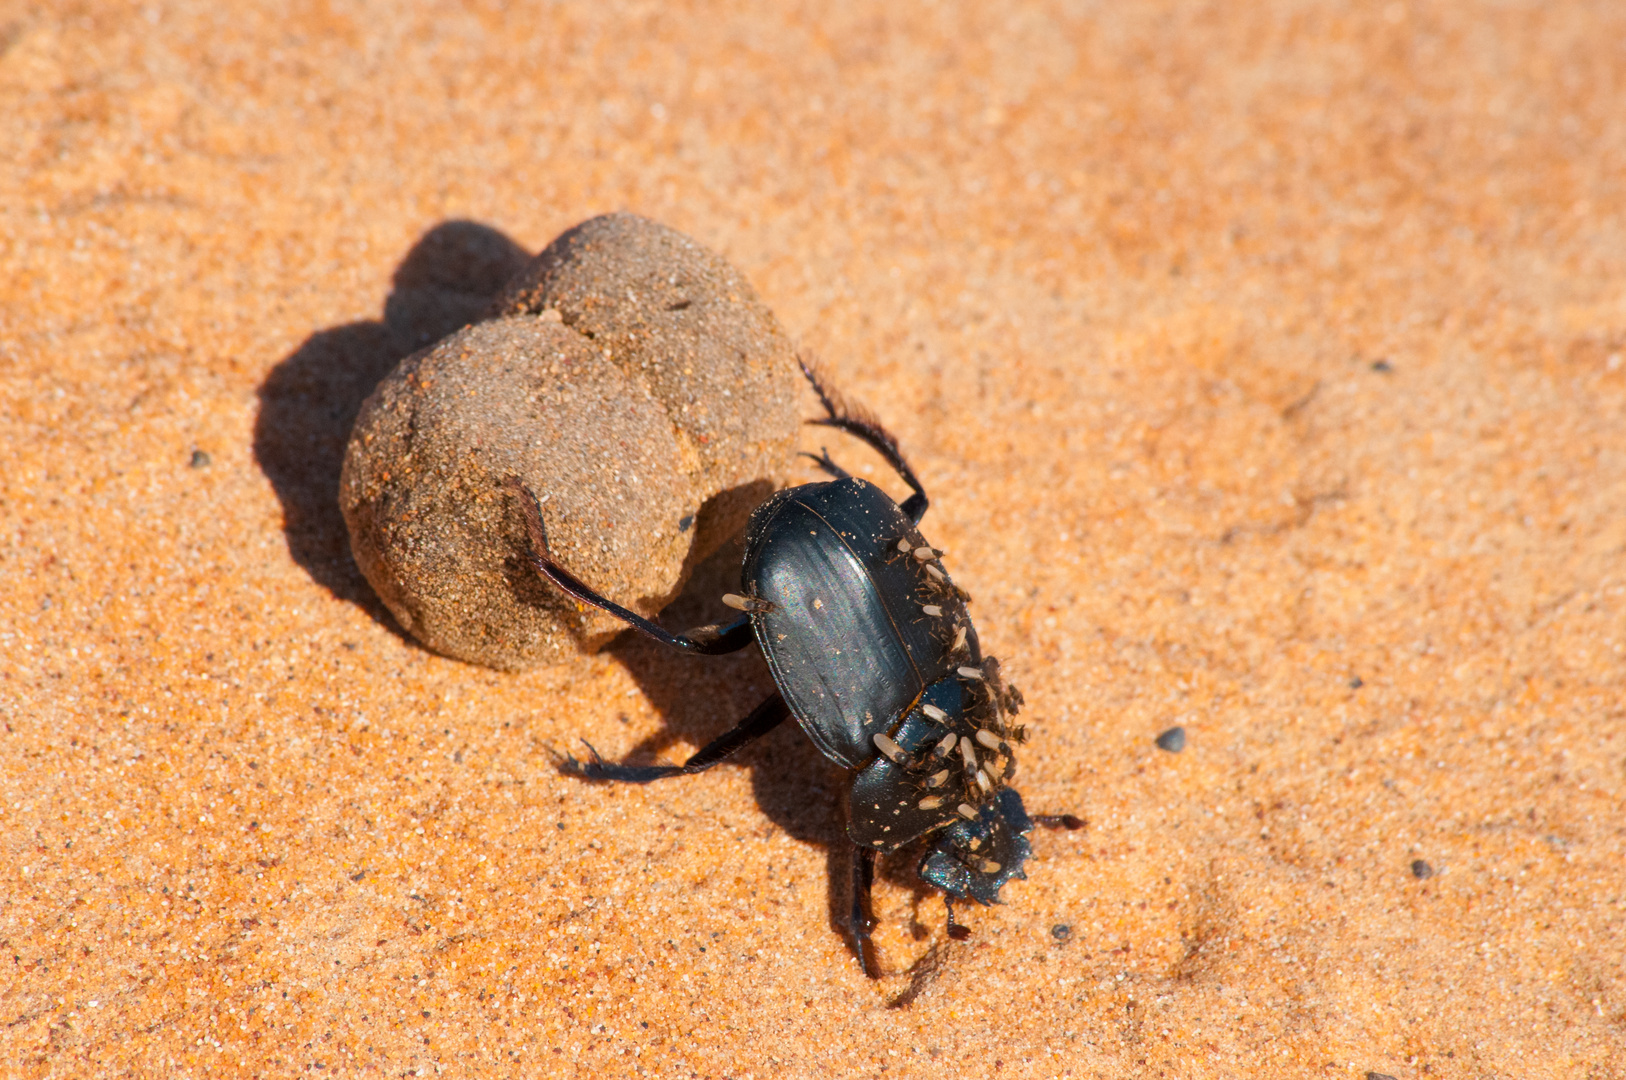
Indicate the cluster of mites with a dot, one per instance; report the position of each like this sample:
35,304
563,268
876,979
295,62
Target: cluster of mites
986,723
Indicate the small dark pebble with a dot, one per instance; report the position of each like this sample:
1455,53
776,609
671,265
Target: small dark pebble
1382,367
1061,932
1378,1076
1356,682
1421,870
200,460
684,522
1172,740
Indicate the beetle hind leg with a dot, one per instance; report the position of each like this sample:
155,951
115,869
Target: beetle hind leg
709,640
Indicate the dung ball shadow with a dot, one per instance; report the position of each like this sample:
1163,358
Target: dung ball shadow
309,401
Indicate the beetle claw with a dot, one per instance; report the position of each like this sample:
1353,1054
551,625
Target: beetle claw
587,769
829,467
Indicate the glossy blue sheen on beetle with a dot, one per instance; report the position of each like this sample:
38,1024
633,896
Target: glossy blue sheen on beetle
884,805
847,640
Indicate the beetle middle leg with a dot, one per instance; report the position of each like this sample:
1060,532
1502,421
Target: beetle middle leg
856,421
761,720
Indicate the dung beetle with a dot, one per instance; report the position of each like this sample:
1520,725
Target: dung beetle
872,651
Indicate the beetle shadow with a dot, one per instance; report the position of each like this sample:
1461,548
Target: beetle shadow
311,397
700,697
796,787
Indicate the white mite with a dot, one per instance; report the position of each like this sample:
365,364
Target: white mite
932,610
946,747
969,672
937,779
968,753
925,554
988,738
931,802
965,811
988,866
904,544
934,712
891,749
959,640
983,782
736,602
935,573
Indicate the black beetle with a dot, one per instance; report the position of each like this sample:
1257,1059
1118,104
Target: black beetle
872,650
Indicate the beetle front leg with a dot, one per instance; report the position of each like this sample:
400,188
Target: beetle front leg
761,720
957,931
859,921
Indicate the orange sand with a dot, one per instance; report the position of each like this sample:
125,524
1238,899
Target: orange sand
1116,274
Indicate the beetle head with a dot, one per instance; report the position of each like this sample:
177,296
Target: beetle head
974,859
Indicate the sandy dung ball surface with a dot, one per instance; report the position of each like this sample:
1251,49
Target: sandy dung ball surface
443,545
631,379
1264,364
